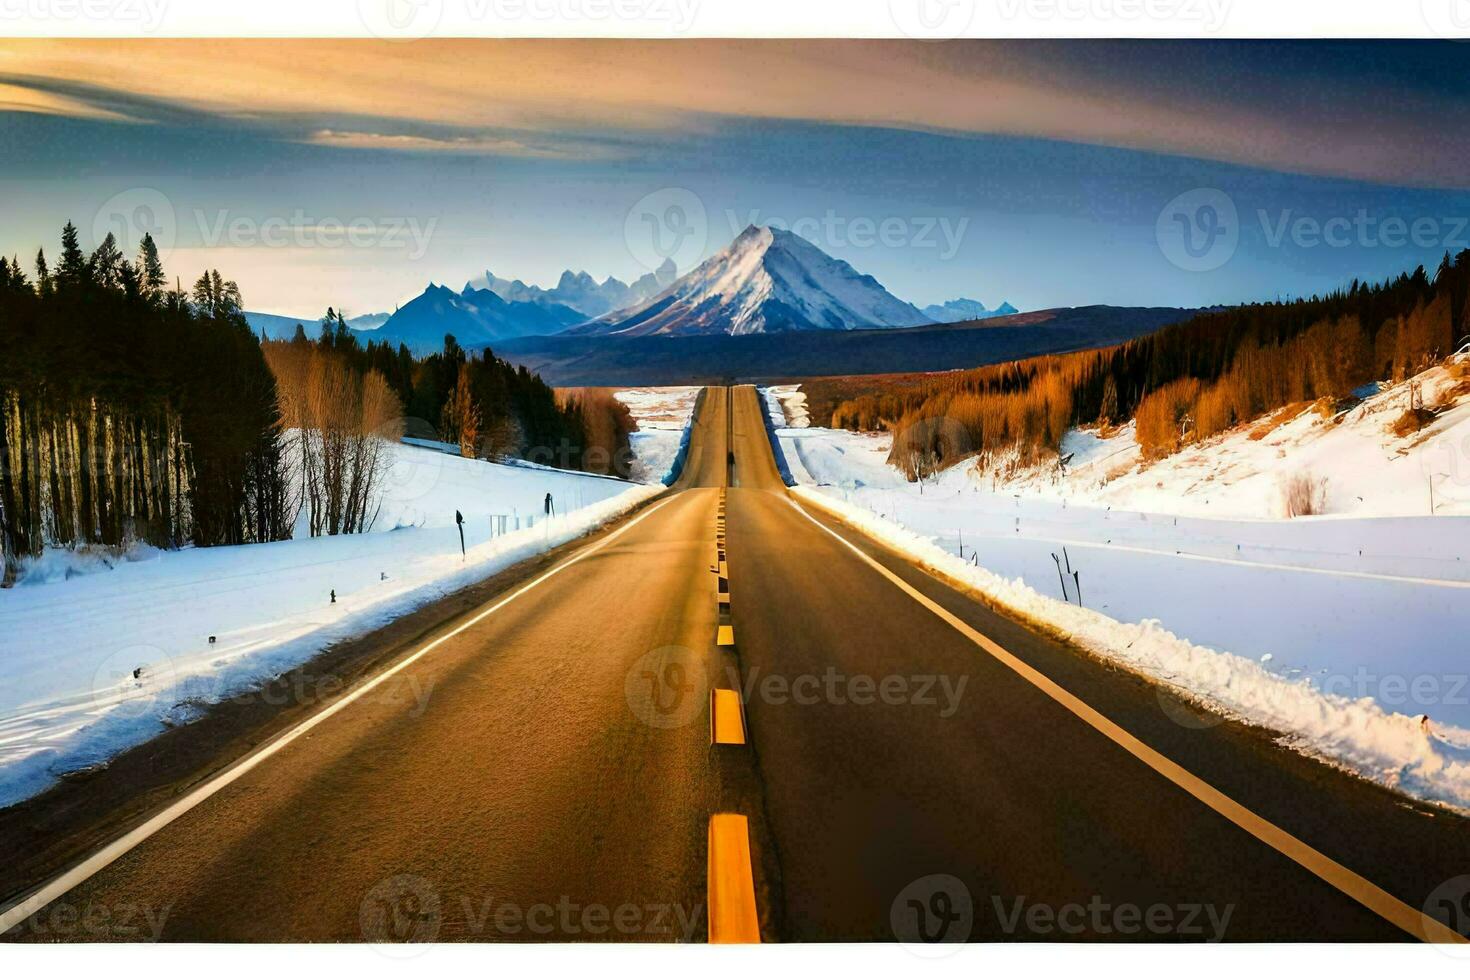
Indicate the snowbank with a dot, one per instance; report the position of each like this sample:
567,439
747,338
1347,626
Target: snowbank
72,642
1369,471
663,416
791,401
1341,630
1353,732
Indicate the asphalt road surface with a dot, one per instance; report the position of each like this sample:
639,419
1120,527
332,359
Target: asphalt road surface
545,772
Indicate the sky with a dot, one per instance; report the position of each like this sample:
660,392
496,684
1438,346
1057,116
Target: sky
1042,173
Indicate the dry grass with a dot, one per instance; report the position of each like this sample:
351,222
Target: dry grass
1303,494
1411,421
1277,419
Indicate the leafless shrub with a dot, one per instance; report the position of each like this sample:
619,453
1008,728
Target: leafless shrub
340,423
1304,494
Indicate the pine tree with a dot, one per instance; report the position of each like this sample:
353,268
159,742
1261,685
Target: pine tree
43,274
72,272
105,265
151,278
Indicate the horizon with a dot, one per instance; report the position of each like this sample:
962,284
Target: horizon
1045,173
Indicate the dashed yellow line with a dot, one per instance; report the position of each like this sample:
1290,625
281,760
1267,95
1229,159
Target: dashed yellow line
726,717
731,885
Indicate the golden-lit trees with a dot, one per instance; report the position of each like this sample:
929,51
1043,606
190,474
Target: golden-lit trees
460,418
339,423
1166,416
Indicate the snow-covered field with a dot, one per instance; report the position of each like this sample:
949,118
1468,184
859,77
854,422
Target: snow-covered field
1368,472
1339,631
662,415
77,627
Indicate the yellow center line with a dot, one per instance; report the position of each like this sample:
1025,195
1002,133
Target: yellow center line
727,720
731,884
1345,880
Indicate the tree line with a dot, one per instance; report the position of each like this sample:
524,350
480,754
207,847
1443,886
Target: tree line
132,410
487,406
1183,383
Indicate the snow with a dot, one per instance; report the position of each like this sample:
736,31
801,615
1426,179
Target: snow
790,406
662,415
1369,471
78,625
1337,632
766,279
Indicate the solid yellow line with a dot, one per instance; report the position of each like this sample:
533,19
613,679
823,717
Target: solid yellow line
731,888
727,725
1349,882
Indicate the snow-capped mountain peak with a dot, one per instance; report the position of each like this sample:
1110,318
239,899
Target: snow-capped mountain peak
764,281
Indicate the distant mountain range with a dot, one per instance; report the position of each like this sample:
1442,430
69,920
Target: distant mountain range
959,310
278,327
580,291
476,318
766,281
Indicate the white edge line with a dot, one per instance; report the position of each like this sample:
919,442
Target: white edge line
1378,900
95,862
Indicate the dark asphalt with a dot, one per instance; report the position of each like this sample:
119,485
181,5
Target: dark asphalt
556,781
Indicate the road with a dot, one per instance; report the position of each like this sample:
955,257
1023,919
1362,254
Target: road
552,777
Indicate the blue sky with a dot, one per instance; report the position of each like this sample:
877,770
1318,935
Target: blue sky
1045,174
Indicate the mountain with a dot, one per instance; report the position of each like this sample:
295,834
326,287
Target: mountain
368,321
476,318
277,327
766,281
580,291
958,310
